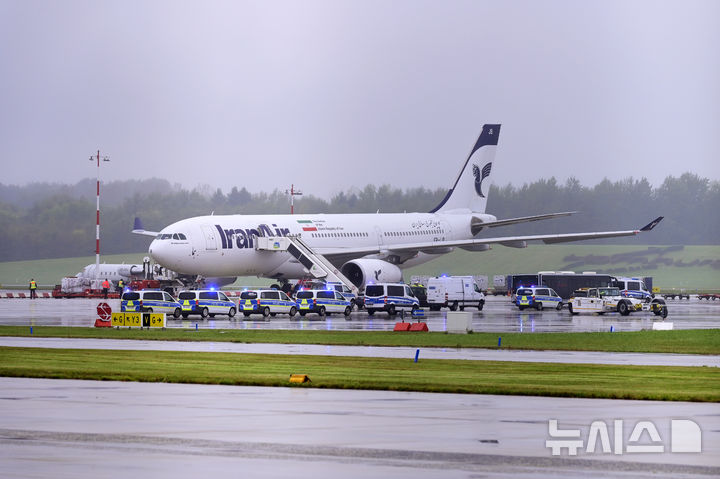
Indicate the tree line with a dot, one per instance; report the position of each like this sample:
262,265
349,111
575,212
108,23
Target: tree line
47,220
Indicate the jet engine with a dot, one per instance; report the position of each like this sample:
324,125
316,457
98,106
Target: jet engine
361,271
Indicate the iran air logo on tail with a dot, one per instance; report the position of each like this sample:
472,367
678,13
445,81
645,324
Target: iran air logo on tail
480,176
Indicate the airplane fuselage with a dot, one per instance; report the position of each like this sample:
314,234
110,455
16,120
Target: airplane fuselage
225,245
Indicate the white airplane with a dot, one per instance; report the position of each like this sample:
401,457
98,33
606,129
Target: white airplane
365,247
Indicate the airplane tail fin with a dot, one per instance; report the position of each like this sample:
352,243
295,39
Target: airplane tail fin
469,193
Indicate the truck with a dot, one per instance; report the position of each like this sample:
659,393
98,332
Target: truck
454,292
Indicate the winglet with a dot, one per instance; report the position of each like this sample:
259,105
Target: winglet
652,224
138,224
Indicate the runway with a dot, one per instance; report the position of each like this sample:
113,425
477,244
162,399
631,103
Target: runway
585,357
499,315
87,429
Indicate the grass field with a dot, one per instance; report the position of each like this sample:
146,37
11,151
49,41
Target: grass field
500,260
446,376
680,341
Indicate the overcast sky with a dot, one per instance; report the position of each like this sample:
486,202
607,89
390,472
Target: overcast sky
333,94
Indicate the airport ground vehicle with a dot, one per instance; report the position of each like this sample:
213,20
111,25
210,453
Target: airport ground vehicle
610,300
708,296
390,297
680,296
454,292
150,301
322,301
538,298
205,303
268,302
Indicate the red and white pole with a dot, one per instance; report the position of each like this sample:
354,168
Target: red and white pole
97,217
292,194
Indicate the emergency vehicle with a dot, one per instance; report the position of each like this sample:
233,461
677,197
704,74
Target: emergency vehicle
322,301
538,298
206,303
633,288
150,301
390,297
268,302
454,292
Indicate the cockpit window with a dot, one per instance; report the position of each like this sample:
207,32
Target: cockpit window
175,236
165,236
182,236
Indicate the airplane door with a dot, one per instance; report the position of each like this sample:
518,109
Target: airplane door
379,234
210,234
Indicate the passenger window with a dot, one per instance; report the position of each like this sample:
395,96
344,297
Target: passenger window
209,295
223,297
326,294
269,295
284,296
154,296
542,291
408,292
338,296
168,297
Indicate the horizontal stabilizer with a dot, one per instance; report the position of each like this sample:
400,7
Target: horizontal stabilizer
139,230
477,225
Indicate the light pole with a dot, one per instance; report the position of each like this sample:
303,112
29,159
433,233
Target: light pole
293,193
97,225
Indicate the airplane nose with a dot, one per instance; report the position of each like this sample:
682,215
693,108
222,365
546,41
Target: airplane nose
159,251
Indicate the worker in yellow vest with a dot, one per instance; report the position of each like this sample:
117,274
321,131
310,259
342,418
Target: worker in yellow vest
33,287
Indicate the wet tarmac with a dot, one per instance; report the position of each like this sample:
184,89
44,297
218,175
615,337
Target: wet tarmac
583,357
87,429
499,315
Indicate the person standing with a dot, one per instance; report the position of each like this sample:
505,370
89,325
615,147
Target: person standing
120,286
106,287
33,288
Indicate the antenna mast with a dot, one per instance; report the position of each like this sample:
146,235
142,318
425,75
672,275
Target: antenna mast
293,193
97,225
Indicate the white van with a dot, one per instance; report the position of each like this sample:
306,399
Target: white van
454,292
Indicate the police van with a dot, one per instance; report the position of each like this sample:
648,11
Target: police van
206,302
150,301
539,297
390,297
268,302
322,301
633,288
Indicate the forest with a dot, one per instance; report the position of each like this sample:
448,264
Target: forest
51,220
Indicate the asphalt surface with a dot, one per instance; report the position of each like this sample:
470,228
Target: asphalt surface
499,315
83,429
583,357
87,429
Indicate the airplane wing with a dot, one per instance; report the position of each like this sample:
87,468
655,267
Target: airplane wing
346,254
139,230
